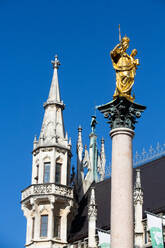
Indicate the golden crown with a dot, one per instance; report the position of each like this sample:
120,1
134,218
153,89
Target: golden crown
125,38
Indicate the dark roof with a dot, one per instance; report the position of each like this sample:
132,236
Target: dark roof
153,184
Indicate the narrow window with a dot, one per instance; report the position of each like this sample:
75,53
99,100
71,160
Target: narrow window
58,173
46,172
44,225
33,223
57,226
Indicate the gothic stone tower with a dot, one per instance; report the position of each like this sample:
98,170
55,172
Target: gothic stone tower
47,201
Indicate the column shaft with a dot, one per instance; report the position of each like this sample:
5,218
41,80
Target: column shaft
122,189
92,232
51,224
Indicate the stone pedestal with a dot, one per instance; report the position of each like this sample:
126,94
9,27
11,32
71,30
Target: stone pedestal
122,114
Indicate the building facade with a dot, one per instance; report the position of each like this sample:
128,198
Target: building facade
64,210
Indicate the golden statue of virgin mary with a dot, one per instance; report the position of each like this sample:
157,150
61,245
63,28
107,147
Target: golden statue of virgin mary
125,66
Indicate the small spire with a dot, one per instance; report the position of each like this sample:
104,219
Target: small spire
92,197
55,62
92,218
70,142
35,139
41,138
54,93
102,161
79,140
35,142
138,180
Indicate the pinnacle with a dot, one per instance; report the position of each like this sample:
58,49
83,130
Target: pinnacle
55,62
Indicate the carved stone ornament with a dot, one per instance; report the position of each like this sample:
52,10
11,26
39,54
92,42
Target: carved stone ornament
121,113
46,189
42,189
92,211
138,197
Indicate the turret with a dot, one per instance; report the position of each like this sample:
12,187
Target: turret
47,201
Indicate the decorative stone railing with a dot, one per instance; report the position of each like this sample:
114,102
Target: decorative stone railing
47,189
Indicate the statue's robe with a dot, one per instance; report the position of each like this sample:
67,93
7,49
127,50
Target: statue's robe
125,73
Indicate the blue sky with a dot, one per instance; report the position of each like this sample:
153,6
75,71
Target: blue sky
82,33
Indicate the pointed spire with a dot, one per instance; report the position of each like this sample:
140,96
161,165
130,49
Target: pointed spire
66,136
53,124
101,165
54,93
70,142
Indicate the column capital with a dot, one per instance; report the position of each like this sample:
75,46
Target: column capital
121,113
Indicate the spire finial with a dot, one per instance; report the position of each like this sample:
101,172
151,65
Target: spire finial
55,62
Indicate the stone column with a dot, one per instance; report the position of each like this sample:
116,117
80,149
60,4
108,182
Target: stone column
37,225
121,188
52,169
122,115
51,219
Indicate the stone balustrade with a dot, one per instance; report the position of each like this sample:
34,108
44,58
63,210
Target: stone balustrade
47,189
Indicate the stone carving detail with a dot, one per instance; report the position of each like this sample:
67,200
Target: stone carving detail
63,191
148,155
92,211
26,193
121,113
51,188
42,189
138,196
